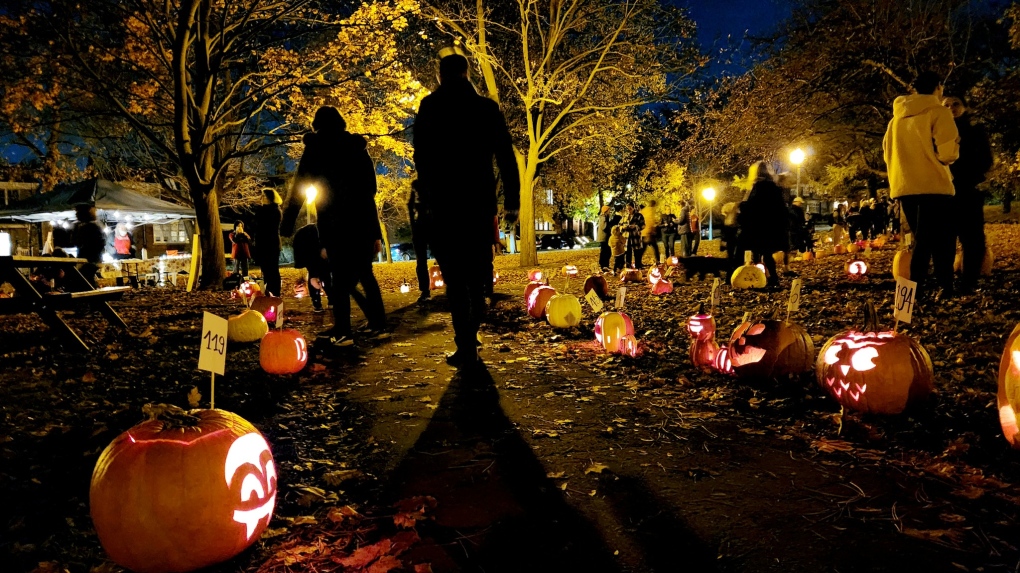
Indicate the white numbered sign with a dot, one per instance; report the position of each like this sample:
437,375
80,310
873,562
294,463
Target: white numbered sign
904,300
716,293
794,303
213,355
594,301
621,295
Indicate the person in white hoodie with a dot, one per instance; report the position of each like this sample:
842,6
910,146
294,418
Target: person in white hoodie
920,143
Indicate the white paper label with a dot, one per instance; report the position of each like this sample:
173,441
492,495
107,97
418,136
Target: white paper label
594,301
793,304
904,300
213,354
620,296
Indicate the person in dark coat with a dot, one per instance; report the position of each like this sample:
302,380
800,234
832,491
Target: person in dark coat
969,203
337,163
607,220
309,255
239,249
418,212
267,240
88,236
457,134
764,220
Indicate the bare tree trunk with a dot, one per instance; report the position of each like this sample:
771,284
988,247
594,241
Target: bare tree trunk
214,263
529,253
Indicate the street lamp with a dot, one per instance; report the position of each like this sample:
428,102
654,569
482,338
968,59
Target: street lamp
709,194
797,157
310,193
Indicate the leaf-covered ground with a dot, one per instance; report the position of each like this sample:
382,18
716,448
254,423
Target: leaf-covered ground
558,457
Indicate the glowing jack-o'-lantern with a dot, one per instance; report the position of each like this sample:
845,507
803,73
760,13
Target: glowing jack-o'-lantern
283,352
405,287
901,264
673,261
249,326
629,345
495,276
597,283
569,271
435,278
300,290
535,275
538,299
630,275
856,269
986,262
660,284
871,371
183,491
610,328
249,289
748,276
704,348
770,348
1008,397
563,311
270,307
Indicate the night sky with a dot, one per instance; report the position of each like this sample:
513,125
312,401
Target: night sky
718,18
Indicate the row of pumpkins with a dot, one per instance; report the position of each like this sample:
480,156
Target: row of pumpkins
281,351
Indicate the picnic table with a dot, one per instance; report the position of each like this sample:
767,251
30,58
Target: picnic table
77,294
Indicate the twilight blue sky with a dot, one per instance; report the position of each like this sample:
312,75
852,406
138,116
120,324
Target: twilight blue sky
718,18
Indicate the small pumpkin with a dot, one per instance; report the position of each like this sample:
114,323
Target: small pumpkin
249,326
182,491
610,328
901,264
569,271
597,283
748,276
538,299
629,345
631,275
770,348
874,371
856,269
673,261
704,348
535,275
249,288
839,249
986,262
1008,396
271,308
563,311
283,352
435,278
530,288
660,284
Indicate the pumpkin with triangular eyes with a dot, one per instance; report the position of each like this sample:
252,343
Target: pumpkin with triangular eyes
1009,388
770,348
435,278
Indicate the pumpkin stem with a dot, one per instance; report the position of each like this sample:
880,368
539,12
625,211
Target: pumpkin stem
173,417
870,317
701,308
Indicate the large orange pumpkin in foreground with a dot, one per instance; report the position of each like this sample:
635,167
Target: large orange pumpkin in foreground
183,491
1009,388
770,348
283,352
872,371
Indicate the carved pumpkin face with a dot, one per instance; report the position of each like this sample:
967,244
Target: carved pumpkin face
748,276
535,275
878,372
703,347
701,327
770,348
673,261
538,299
654,275
435,278
203,484
1008,397
610,328
249,326
283,352
563,311
271,308
569,271
856,269
630,276
249,288
597,283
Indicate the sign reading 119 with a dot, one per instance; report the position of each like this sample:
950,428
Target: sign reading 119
214,342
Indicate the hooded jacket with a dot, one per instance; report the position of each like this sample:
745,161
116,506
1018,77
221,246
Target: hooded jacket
338,164
920,143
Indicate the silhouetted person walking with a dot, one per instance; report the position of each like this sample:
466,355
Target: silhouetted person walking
456,136
267,240
969,203
337,163
920,143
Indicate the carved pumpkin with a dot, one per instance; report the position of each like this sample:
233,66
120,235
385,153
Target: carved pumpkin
986,262
630,275
660,284
563,311
704,348
283,352
610,328
1009,388
770,348
300,290
569,271
535,275
435,278
748,276
405,287
530,288
901,264
673,261
871,371
183,491
249,288
538,299
599,284
270,307
249,326
856,269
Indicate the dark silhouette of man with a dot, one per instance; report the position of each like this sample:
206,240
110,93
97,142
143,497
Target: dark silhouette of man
969,203
337,163
456,136
920,143
418,213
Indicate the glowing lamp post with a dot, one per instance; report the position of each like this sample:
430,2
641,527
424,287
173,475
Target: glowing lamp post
709,194
311,192
797,157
